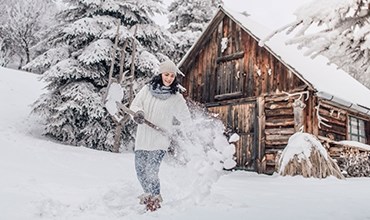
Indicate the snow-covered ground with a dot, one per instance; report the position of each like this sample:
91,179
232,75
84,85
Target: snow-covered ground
41,179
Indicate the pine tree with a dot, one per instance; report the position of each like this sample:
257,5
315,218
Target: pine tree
338,30
187,20
77,66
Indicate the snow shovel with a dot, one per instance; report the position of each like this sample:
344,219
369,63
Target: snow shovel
170,136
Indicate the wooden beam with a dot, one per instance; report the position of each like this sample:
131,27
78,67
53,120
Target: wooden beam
234,56
261,133
280,131
229,95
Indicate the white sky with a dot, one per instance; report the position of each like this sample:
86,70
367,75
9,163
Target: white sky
41,179
271,13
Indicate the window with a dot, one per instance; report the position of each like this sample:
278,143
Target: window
357,130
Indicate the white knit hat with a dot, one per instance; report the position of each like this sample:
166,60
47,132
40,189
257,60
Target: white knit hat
168,66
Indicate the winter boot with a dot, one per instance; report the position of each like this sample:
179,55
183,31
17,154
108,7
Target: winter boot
144,198
154,203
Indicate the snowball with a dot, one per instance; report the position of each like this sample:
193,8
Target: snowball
229,151
234,138
229,164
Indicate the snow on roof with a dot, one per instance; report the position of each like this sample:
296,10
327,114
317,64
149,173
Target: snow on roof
331,83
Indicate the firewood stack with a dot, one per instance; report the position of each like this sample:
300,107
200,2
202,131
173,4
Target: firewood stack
352,161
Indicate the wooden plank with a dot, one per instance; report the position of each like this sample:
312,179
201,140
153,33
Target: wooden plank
232,95
280,122
275,143
231,47
279,131
277,105
279,111
261,132
229,102
232,75
213,81
264,64
225,33
230,57
238,39
278,137
227,75
334,129
275,147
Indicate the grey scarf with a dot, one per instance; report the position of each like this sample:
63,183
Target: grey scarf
161,92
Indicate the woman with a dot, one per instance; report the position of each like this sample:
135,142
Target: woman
161,103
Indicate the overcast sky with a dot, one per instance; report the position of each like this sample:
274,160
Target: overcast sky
271,13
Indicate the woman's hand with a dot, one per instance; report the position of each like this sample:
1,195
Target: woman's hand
139,117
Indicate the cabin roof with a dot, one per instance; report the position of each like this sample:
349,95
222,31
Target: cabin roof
329,82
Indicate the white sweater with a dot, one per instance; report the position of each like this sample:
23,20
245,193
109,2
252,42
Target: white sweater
161,113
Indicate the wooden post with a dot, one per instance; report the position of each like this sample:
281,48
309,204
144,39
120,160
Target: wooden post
113,54
132,68
119,124
261,162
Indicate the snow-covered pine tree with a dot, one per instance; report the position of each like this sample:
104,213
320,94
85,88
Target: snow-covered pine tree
187,19
338,30
77,66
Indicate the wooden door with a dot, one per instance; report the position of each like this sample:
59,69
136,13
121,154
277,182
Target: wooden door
241,119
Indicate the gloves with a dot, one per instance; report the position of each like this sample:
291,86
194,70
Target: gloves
139,117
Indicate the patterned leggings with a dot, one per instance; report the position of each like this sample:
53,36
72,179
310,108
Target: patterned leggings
147,167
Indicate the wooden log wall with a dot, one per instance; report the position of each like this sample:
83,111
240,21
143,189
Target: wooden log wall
279,126
336,121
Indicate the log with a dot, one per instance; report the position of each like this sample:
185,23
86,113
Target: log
279,111
234,56
281,143
277,137
281,131
278,105
228,96
280,122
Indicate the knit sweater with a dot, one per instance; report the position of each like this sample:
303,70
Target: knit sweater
161,113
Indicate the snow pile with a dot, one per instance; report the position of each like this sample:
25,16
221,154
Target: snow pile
301,146
304,155
206,151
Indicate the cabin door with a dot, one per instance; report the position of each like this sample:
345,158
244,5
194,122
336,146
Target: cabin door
241,119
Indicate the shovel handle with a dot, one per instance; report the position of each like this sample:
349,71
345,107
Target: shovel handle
132,113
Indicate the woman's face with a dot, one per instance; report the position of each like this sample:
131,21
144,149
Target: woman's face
168,78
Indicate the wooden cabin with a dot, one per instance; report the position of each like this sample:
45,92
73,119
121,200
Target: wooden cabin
266,94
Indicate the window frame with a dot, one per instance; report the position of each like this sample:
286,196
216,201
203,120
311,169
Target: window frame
356,132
